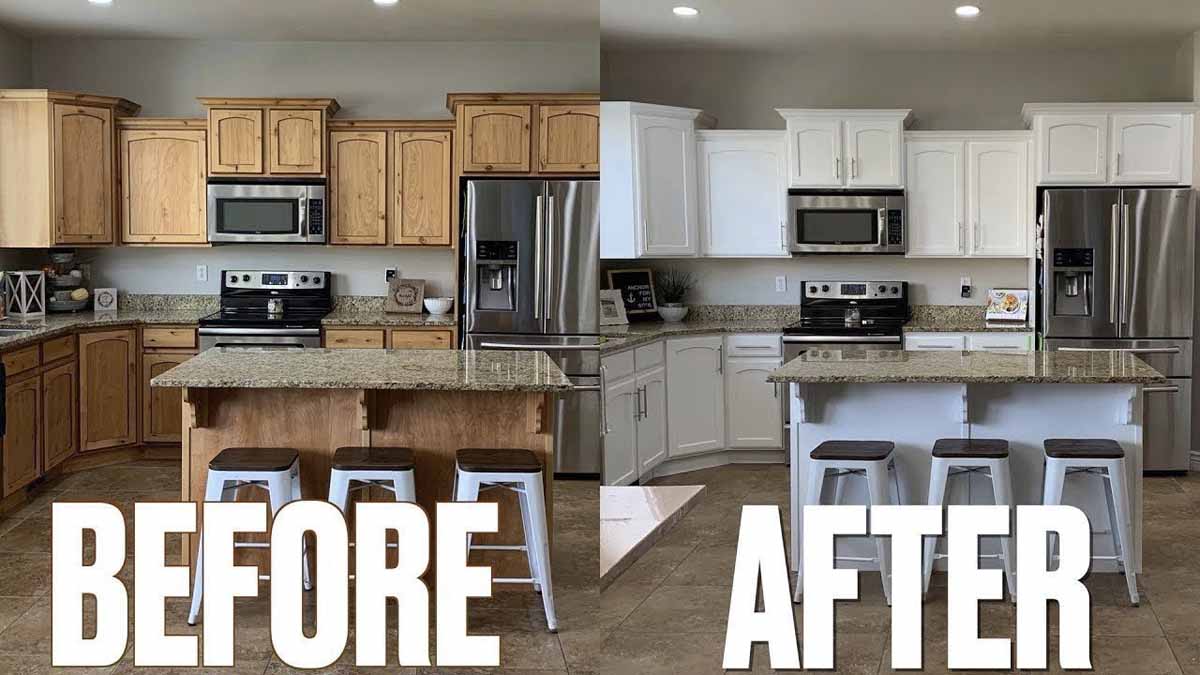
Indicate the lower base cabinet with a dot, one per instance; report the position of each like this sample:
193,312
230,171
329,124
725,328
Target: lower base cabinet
60,406
754,407
972,342
620,439
696,405
22,432
162,407
108,389
651,419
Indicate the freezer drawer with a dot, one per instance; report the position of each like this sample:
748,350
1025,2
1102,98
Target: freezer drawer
1172,358
1167,420
578,445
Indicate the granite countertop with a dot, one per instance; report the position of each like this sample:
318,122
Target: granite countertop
360,317
867,367
53,325
622,337
958,319
406,369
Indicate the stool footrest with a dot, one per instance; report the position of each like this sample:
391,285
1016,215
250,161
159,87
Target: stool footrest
513,580
851,558
497,547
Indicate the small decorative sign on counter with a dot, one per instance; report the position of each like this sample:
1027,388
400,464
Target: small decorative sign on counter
637,292
612,308
405,296
1007,305
106,300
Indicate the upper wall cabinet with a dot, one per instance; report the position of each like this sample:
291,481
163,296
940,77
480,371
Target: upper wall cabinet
649,207
1112,143
845,148
523,134
163,181
267,136
741,175
57,168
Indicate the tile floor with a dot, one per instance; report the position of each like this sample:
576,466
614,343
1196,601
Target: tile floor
667,613
526,646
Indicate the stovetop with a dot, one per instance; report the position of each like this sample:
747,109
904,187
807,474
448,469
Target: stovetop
852,308
307,297
258,316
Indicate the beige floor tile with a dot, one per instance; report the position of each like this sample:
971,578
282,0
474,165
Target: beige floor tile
39,664
11,608
24,574
663,653
705,566
681,609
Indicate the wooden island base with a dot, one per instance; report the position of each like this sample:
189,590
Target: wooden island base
435,424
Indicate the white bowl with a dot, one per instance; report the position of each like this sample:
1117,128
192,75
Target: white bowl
672,314
438,305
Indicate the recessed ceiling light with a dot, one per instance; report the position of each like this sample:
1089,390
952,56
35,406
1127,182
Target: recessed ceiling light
101,2
386,3
967,11
684,10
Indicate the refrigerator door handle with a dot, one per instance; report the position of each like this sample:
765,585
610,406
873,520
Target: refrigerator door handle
604,428
539,347
550,243
1115,258
539,255
1125,299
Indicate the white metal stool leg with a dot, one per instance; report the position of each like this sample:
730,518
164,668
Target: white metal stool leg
466,489
939,473
1117,483
405,486
214,487
539,545
1056,476
816,481
527,528
339,489
283,488
877,487
1002,494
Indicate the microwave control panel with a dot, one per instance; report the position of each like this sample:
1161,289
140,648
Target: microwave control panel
316,216
895,227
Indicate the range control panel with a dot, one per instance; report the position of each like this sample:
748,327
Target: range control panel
854,290
259,279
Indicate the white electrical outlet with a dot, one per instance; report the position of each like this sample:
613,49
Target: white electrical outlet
781,284
201,272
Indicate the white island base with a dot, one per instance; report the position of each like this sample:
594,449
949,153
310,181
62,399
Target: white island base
914,415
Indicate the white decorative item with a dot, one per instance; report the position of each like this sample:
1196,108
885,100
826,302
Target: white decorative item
612,308
672,312
438,306
26,293
106,299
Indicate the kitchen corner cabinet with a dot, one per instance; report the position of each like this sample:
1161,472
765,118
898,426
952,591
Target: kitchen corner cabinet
741,176
845,148
57,170
163,181
267,137
108,389
696,406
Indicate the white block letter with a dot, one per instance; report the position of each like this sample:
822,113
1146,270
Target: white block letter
222,579
760,555
287,586
822,583
969,585
907,526
456,582
374,582
153,582
1063,584
71,580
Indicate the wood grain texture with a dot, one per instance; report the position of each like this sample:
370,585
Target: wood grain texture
60,405
358,187
21,360
496,138
296,144
108,389
161,406
23,435
353,339
329,105
58,348
423,188
422,339
569,139
26,199
235,139
83,175
164,186
120,106
169,337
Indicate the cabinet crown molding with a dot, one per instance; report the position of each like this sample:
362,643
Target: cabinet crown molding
1029,110
454,100
165,123
390,125
745,134
120,106
905,114
702,119
956,135
329,105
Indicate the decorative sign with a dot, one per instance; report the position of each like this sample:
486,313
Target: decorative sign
106,300
637,292
405,296
612,308
1007,304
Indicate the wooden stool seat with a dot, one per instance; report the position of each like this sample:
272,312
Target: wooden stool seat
1083,448
497,460
373,459
253,459
984,448
858,451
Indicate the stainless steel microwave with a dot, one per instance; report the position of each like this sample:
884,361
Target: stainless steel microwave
846,222
266,213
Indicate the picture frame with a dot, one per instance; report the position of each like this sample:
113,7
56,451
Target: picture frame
612,308
104,300
405,296
637,292
1007,304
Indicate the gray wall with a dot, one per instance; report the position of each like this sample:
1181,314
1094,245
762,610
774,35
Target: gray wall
378,79
15,60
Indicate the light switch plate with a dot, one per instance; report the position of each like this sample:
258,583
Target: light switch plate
964,284
781,284
201,272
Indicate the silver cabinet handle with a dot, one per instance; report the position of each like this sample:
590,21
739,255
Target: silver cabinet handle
775,389
1114,257
604,428
975,237
854,167
1170,389
837,168
721,358
539,255
782,235
1118,164
1132,350
642,401
962,237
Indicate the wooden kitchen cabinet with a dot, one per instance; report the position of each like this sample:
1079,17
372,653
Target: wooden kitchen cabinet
267,136
162,407
696,405
357,206
296,141
83,174
108,389
163,182
496,138
22,433
236,141
422,339
422,185
354,338
569,138
60,413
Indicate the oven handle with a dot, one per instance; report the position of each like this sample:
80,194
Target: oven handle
818,339
260,331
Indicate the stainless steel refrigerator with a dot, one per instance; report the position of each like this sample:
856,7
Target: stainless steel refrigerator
530,273
1119,272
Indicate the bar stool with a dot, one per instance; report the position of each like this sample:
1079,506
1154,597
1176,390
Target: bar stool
387,468
869,459
277,470
1104,458
519,470
968,456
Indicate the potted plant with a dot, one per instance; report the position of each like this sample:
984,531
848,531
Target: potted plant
673,287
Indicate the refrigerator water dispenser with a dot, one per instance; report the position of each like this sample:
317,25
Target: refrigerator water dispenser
1073,275
496,276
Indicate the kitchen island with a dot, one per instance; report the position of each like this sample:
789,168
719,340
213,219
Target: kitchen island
916,397
317,400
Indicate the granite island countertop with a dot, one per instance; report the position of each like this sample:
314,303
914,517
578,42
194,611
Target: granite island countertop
826,366
405,369
53,325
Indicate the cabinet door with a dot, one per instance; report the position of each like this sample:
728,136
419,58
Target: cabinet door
873,151
815,153
998,197
1146,149
1071,149
935,198
422,339
569,139
999,342
496,138
935,341
742,195
358,187
652,422
296,144
83,175
22,434
235,140
108,389
163,187
162,408
665,179
696,406
754,407
421,214
60,403
620,443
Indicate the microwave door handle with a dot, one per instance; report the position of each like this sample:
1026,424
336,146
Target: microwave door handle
302,229
882,218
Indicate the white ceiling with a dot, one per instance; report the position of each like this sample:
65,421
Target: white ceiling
316,20
902,25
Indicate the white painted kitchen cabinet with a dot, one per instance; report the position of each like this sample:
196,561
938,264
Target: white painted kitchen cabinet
754,412
975,342
999,197
1146,149
845,148
935,342
620,441
696,404
649,205
934,198
651,419
741,176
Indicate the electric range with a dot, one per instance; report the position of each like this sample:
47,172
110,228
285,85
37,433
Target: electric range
864,315
269,309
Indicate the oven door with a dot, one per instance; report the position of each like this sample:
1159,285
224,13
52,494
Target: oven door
846,223
795,345
263,213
